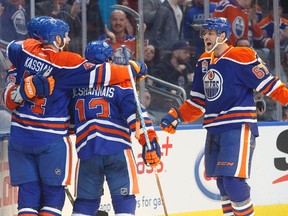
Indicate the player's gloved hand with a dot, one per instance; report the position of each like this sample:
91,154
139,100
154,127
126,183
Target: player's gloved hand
170,121
36,85
139,69
152,156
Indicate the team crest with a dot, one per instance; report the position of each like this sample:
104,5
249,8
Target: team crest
119,58
238,27
204,66
213,84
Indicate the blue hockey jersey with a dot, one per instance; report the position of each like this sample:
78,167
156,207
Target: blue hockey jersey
223,89
44,120
104,119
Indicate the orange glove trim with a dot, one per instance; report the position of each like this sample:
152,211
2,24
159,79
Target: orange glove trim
51,82
29,87
152,158
170,129
151,134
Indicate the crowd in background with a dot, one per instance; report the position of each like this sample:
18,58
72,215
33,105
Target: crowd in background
172,43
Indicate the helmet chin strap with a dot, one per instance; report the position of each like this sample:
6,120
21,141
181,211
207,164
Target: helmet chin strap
216,44
58,47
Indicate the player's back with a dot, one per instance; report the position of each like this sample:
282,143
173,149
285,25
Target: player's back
42,120
104,119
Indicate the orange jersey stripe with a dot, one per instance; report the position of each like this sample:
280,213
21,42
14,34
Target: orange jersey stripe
264,91
230,116
68,160
189,113
243,172
32,123
134,188
46,214
280,94
99,128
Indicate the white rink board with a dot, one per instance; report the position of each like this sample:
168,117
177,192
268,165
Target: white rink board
187,191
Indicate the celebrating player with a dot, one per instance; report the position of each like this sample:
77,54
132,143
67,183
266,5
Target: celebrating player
222,91
104,119
40,151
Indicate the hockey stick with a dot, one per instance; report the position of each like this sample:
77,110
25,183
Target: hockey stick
69,195
136,16
139,110
71,199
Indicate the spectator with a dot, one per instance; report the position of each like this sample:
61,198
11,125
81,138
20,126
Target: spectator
106,10
131,24
95,25
151,57
117,37
233,10
193,21
285,113
175,67
267,27
149,10
69,13
254,13
13,22
243,42
284,61
147,102
167,25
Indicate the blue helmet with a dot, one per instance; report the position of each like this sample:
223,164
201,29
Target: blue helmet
33,25
220,24
98,51
50,28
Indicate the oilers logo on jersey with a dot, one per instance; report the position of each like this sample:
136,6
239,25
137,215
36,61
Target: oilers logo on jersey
119,57
213,85
238,27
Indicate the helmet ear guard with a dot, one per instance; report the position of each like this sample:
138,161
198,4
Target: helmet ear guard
98,52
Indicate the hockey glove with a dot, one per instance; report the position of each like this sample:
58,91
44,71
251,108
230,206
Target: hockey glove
152,156
139,69
36,85
170,121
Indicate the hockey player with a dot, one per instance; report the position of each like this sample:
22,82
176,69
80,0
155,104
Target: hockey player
40,150
222,91
104,120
